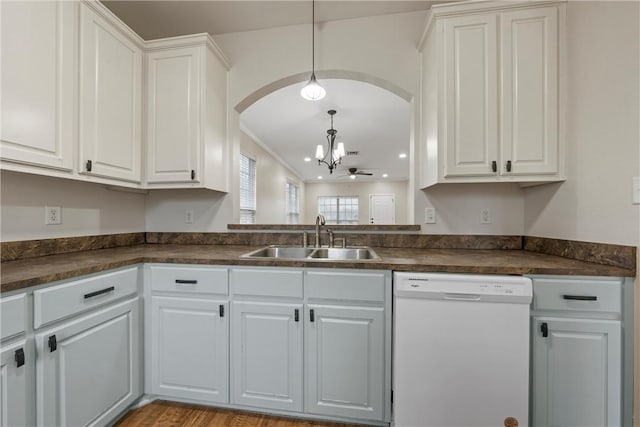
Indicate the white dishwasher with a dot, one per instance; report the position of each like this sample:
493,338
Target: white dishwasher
461,350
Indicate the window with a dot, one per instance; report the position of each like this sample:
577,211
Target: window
293,204
247,190
338,210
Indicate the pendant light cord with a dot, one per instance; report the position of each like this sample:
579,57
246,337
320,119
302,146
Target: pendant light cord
313,38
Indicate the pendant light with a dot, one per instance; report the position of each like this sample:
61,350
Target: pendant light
312,91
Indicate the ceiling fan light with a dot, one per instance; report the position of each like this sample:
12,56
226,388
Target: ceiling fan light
312,91
319,152
352,176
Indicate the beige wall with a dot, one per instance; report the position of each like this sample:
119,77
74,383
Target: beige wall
362,190
594,204
271,179
87,209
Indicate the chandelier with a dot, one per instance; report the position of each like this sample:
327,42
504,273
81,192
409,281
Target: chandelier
333,157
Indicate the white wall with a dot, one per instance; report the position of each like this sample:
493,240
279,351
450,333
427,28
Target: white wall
271,180
87,209
362,190
594,204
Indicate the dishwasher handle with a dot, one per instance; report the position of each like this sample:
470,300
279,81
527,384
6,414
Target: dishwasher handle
461,297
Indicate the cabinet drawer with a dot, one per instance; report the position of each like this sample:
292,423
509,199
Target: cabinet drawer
602,295
345,285
202,280
266,282
74,297
13,319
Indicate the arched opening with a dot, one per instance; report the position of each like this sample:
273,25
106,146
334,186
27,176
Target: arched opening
273,210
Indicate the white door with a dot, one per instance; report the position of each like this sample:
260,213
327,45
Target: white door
88,369
190,348
576,372
37,82
173,88
471,96
16,362
110,99
382,209
529,104
266,361
345,361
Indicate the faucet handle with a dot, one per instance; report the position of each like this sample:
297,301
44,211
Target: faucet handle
330,238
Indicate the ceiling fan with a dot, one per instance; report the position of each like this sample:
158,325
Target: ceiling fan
353,172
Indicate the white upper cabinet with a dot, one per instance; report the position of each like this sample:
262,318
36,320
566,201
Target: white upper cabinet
470,71
186,114
110,118
529,48
37,84
491,92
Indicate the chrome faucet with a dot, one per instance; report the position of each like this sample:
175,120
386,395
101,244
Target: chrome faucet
319,223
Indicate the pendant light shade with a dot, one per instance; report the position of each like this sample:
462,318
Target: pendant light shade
312,91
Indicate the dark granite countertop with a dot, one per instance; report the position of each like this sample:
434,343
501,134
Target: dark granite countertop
23,273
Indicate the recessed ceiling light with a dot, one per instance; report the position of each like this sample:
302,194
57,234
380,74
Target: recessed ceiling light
385,175
307,159
319,177
402,155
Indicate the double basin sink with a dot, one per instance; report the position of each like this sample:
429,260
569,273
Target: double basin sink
318,254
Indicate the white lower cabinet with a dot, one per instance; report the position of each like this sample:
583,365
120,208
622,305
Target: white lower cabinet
577,365
16,364
87,371
577,352
189,348
345,361
267,355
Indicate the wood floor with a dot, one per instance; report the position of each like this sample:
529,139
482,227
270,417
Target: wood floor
174,414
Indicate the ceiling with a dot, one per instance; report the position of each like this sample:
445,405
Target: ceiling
153,19
370,120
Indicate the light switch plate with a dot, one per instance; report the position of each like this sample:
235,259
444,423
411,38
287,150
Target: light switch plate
636,191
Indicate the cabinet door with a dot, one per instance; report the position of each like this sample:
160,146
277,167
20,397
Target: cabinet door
16,402
529,104
470,95
267,355
345,361
173,89
576,372
190,348
37,82
88,370
110,99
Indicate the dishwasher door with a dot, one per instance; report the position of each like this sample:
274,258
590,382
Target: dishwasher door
461,350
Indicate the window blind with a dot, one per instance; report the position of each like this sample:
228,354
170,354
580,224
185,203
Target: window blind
293,203
247,190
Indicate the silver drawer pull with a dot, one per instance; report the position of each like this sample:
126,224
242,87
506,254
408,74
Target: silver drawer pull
580,297
100,292
186,282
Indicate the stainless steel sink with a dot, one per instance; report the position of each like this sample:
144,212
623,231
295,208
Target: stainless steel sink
280,252
314,254
344,254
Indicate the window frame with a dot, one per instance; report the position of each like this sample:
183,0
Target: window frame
338,220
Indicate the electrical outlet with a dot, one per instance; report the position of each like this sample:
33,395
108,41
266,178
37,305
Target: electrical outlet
52,215
429,215
485,216
188,217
